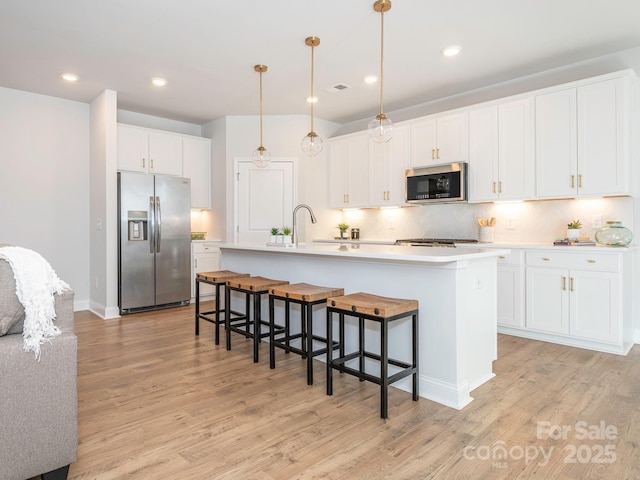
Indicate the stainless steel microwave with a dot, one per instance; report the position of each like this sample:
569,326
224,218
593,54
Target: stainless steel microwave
437,184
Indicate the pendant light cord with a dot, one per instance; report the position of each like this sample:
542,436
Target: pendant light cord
261,110
381,60
312,76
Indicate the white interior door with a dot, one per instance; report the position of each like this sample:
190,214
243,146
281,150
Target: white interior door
265,198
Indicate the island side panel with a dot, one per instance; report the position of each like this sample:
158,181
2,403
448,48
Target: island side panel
441,289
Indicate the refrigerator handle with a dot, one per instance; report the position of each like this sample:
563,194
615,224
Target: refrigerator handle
152,229
159,224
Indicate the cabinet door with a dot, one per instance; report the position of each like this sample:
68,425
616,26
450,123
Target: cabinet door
547,300
165,154
594,305
388,163
601,152
510,296
338,172
556,144
453,138
358,176
196,165
204,262
133,147
423,142
483,154
516,166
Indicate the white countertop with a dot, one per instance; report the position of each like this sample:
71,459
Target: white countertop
379,252
549,246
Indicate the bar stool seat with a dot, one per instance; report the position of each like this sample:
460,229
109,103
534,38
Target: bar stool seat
306,296
218,279
245,325
383,310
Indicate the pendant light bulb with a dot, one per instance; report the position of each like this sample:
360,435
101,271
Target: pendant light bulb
261,156
312,143
381,127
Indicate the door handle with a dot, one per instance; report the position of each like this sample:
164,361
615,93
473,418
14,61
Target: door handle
151,164
158,224
494,187
579,181
437,153
564,283
571,284
152,234
573,181
143,162
433,154
500,187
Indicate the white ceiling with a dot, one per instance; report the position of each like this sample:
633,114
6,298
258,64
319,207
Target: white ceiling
206,49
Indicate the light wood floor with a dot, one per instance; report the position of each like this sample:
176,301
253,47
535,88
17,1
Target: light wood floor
155,401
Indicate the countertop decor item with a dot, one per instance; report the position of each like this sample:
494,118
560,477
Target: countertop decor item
343,227
198,235
614,234
573,230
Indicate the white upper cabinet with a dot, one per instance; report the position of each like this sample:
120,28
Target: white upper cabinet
500,159
196,165
440,139
388,163
348,171
582,140
149,151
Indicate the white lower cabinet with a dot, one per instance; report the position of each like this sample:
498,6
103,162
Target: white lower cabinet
511,290
582,299
205,257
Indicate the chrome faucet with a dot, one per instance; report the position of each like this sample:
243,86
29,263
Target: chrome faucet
295,230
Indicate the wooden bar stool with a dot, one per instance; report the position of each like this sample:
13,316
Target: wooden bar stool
383,310
251,328
218,279
306,296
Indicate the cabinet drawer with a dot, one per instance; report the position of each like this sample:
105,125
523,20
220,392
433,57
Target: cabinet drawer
582,261
513,258
205,247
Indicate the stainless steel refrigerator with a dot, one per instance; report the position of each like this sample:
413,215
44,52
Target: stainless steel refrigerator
154,248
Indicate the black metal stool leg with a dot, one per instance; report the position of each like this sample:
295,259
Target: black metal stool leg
197,307
384,368
217,313
329,353
416,384
256,326
272,343
307,324
361,344
227,315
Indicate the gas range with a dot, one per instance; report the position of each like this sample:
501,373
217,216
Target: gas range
434,242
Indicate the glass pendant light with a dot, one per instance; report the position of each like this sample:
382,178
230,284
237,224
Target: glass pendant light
311,143
381,127
261,156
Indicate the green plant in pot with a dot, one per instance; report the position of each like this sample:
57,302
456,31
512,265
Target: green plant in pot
274,234
573,230
286,231
343,227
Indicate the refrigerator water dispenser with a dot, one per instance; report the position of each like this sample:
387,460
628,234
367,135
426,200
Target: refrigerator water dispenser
137,225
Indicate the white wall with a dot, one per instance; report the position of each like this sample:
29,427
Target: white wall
44,182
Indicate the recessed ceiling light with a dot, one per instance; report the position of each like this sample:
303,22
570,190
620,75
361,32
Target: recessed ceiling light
159,82
451,50
371,79
312,99
70,77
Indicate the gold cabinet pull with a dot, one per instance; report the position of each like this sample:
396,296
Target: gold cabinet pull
195,261
433,154
499,187
437,153
494,187
143,163
591,261
545,259
564,283
151,164
502,257
579,181
573,181
571,284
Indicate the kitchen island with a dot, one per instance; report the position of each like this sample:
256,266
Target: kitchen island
456,290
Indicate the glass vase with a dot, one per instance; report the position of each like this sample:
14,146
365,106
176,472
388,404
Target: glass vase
613,234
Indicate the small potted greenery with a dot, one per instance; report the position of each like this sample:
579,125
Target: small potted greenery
343,227
573,230
274,234
286,231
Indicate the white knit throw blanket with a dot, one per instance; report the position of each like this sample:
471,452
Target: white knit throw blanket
36,282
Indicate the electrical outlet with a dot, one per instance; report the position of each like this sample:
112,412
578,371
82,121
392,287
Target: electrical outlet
477,284
510,224
596,221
